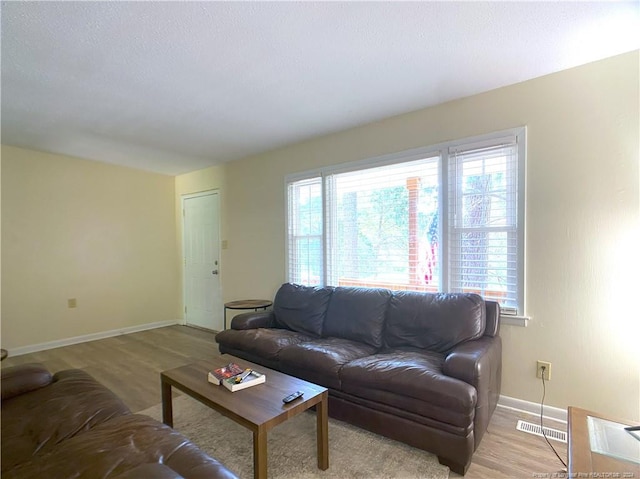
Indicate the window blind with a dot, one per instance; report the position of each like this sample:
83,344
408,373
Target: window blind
383,230
483,240
305,232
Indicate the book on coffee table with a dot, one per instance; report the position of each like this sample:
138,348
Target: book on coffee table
218,375
240,382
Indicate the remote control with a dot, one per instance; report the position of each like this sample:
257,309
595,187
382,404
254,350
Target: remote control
292,397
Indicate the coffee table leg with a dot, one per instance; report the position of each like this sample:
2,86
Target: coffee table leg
167,406
322,428
260,454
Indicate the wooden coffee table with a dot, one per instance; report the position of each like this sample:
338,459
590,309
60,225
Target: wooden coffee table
258,408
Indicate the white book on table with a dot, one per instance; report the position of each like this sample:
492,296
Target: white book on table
253,379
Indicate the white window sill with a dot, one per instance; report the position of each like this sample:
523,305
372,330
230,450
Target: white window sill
513,320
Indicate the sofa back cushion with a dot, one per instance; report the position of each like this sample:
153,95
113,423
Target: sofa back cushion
357,314
301,308
433,321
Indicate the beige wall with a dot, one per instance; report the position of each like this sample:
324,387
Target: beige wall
80,229
582,215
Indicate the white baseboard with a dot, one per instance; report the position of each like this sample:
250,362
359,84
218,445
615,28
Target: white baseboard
89,337
533,408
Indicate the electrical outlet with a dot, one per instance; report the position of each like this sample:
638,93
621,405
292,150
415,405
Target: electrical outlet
547,370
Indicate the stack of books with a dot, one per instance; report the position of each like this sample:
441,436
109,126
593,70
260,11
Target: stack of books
235,378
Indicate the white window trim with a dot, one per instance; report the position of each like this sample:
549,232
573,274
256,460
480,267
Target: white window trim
441,149
514,320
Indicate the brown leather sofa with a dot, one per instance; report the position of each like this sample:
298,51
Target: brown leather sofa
70,426
421,368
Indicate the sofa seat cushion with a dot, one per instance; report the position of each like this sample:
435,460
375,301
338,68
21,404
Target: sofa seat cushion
412,381
36,422
320,361
263,342
120,445
155,471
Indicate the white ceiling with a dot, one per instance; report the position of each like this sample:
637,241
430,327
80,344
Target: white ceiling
174,87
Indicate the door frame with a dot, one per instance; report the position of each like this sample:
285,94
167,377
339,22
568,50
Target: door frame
183,264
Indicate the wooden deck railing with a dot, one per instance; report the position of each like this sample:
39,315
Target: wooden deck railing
495,295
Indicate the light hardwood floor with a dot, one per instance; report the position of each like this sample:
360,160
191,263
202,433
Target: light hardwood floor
130,366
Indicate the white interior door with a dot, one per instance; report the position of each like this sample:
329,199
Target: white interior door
202,296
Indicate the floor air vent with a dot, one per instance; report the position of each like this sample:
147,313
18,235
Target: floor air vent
531,428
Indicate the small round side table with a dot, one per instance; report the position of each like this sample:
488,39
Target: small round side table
254,304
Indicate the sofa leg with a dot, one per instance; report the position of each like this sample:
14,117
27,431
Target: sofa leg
456,467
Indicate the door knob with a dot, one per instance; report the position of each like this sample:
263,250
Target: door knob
215,271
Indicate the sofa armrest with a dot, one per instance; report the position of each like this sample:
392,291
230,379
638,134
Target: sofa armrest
24,378
478,363
253,320
471,361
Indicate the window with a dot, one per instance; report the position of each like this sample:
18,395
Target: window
483,221
446,218
305,232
